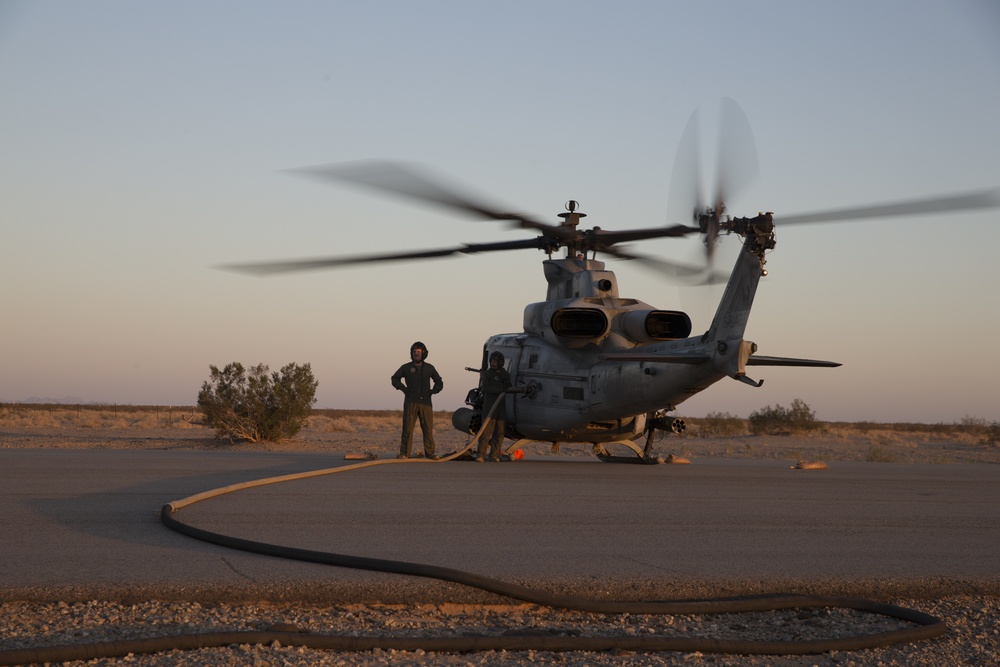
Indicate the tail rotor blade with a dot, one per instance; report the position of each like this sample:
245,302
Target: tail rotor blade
685,199
738,165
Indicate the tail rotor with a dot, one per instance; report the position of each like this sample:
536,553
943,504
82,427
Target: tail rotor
736,167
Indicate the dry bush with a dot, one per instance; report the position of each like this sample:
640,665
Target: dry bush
718,425
255,405
983,431
779,420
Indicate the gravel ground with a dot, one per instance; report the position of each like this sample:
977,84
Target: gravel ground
973,638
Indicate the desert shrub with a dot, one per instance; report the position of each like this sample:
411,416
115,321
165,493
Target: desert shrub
256,405
721,424
778,420
972,422
769,420
987,432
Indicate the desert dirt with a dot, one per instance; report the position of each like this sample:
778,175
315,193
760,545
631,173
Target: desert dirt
973,637
377,432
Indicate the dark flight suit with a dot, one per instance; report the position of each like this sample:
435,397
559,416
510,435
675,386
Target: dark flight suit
414,380
494,382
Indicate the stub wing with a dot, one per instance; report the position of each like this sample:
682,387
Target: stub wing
660,358
695,359
761,360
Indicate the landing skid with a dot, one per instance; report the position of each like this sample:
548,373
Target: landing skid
641,454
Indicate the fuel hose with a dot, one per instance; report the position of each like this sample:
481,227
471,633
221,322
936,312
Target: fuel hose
922,626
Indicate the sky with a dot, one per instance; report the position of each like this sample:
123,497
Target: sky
143,144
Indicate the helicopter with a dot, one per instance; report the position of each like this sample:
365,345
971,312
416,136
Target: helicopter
589,365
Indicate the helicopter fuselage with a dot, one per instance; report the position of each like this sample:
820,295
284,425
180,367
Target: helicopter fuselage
575,396
594,367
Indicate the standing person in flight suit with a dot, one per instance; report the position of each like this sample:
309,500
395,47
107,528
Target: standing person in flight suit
415,380
494,382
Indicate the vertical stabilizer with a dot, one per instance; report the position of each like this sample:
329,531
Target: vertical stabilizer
731,318
730,321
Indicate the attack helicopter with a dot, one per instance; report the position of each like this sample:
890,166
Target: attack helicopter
589,365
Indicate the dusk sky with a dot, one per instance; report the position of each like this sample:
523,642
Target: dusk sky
144,143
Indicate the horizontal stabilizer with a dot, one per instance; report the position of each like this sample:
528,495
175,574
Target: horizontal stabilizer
658,358
788,361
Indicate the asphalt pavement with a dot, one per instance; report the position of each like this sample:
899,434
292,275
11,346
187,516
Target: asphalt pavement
84,524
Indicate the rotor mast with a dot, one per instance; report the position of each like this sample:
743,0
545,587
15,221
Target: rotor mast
571,220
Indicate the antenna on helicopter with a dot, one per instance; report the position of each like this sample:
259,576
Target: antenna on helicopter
572,218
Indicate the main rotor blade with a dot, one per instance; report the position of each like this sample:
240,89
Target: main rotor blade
687,273
970,201
599,238
290,266
408,181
